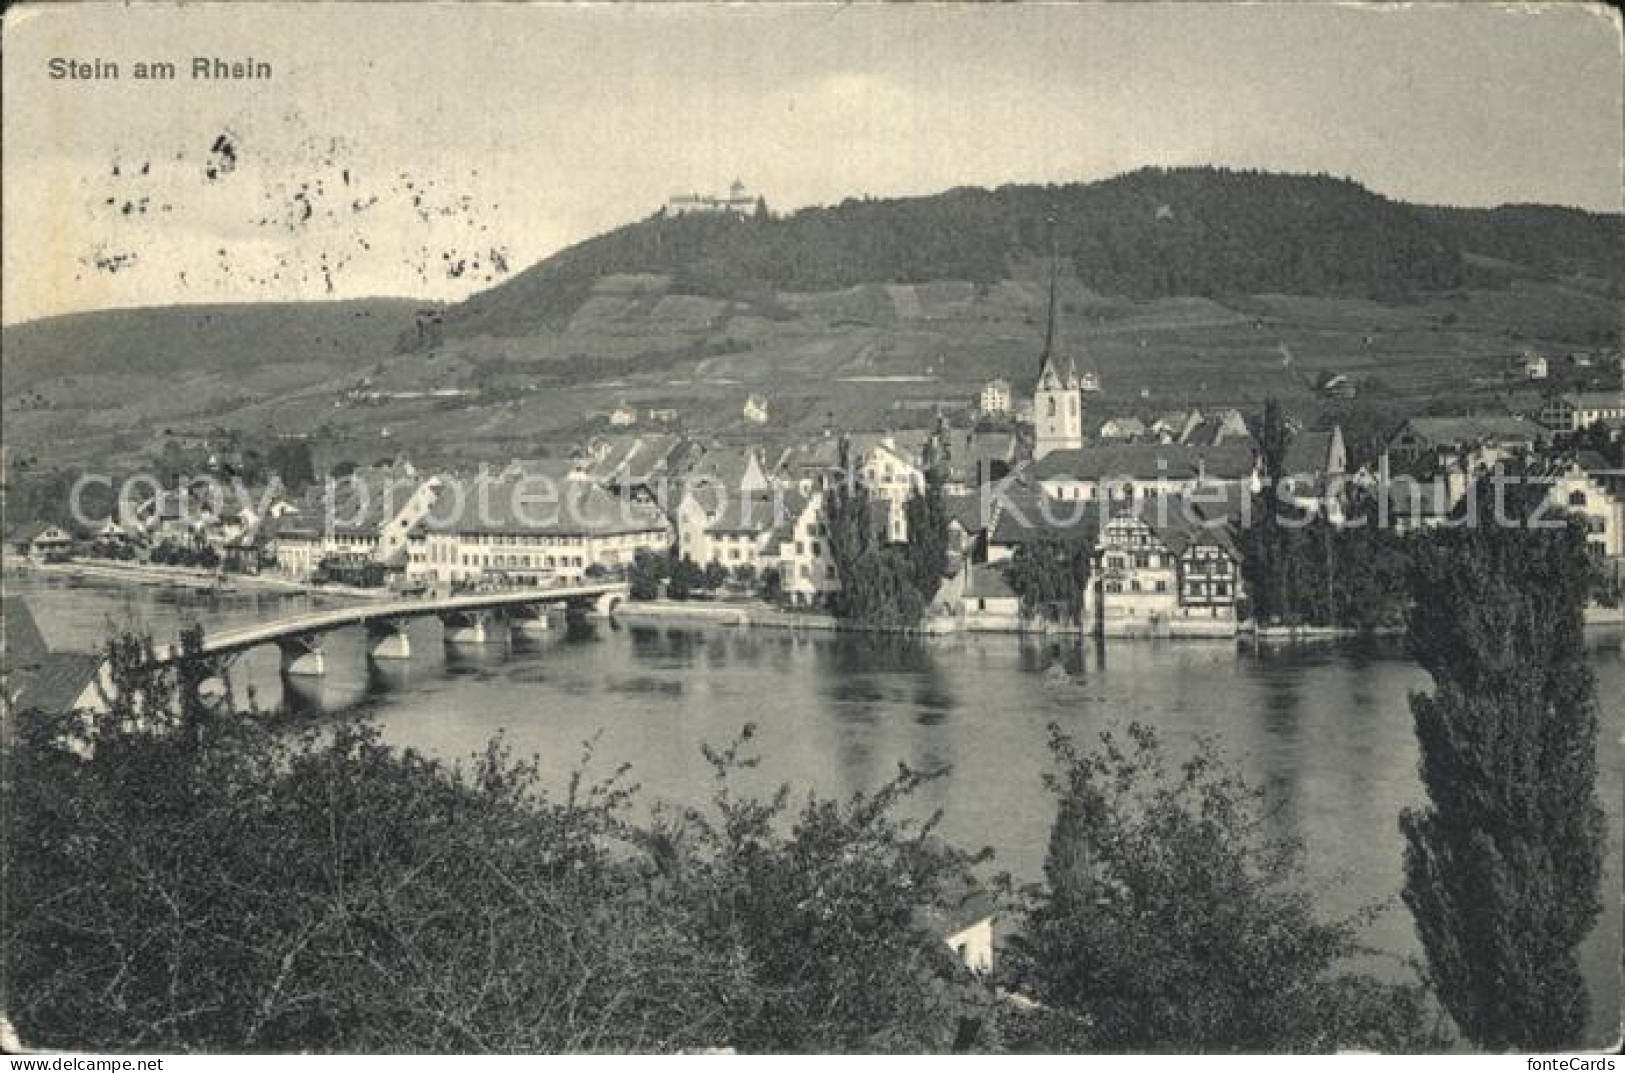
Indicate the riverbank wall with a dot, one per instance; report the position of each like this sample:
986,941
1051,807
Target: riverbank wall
673,612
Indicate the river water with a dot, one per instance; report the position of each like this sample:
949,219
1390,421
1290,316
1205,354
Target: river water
1326,730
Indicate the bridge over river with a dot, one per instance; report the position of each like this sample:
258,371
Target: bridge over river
478,618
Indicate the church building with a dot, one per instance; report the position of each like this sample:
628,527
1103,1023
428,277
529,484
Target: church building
1057,399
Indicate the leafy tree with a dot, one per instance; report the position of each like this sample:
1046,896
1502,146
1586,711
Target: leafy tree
200,882
292,462
1049,573
825,921
878,584
1351,575
1267,558
1502,866
715,576
1169,920
686,576
772,585
927,549
648,570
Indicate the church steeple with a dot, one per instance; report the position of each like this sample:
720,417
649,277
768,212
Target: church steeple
1057,401
1051,335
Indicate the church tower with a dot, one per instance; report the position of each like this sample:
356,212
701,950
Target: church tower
1058,399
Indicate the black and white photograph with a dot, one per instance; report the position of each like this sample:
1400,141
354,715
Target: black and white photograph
811,528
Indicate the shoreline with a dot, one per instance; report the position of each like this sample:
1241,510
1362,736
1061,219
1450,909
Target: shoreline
148,575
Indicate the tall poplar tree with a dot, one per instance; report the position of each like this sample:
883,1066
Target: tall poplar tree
1502,865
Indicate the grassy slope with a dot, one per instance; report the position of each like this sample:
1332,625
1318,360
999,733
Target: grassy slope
565,339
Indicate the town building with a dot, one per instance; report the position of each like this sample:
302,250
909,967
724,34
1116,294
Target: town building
1226,426
1125,429
805,466
892,472
986,600
1162,567
623,416
1567,414
1444,440
646,468
1058,409
40,541
523,534
1533,366
737,470
368,515
734,531
35,677
755,409
1023,517
1596,493
799,550
1174,427
969,459
1133,471
995,398
738,201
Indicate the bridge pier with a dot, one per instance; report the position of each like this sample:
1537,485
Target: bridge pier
529,619
387,639
302,655
604,606
471,628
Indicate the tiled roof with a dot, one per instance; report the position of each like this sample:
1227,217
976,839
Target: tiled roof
1025,518
24,644
795,504
824,453
1180,521
723,467
1124,426
987,581
1308,451
1147,461
1449,430
635,460
972,510
1595,400
28,532
753,514
572,508
55,683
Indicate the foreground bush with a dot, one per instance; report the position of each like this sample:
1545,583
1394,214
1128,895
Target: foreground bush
204,883
1169,919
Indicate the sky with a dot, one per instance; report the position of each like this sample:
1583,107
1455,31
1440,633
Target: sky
429,151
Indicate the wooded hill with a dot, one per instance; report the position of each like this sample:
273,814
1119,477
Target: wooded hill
1152,233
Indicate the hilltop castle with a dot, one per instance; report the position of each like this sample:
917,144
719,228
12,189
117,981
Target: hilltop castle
738,201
